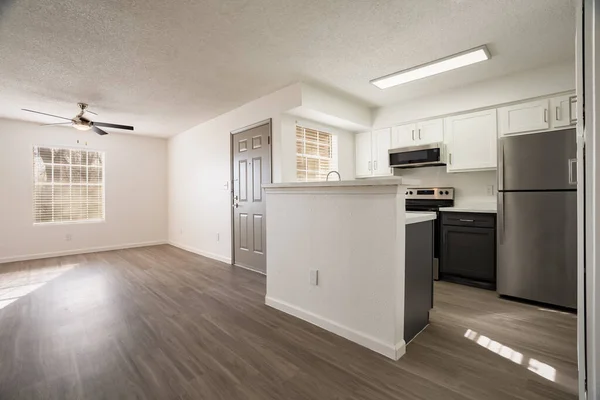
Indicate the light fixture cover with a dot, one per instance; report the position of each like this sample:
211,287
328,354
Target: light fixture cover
462,59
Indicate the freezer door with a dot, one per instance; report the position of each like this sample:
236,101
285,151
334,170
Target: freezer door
539,161
537,246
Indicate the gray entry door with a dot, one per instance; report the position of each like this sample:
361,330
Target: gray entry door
251,168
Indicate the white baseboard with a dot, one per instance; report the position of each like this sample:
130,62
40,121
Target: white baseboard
194,250
388,350
87,250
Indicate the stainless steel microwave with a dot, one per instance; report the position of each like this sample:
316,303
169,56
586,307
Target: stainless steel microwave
428,155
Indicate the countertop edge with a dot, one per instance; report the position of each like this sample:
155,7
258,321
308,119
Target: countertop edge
336,184
415,218
467,209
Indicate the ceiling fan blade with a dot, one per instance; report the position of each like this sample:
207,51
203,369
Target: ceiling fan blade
50,115
98,130
107,125
58,123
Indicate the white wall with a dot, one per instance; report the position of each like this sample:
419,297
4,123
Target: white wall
199,163
510,88
136,193
471,187
199,168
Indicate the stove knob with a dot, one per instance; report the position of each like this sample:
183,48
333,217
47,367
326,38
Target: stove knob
447,192
410,192
407,193
441,192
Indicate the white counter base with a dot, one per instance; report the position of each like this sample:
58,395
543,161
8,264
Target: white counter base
393,352
353,235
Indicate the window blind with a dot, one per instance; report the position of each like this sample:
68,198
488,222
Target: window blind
68,185
316,154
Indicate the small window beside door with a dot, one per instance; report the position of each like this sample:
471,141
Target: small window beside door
316,154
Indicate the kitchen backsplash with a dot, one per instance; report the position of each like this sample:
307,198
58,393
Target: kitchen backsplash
470,187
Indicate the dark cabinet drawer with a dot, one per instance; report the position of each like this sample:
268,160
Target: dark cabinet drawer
479,220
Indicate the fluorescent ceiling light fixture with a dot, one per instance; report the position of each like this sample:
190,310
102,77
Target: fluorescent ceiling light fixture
455,61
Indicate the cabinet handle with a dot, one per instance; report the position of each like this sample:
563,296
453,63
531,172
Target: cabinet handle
419,134
450,158
375,165
572,101
465,220
572,162
413,134
545,115
558,113
369,165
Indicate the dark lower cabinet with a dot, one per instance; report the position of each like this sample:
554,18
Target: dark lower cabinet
469,249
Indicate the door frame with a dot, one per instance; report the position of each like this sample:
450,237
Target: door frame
268,121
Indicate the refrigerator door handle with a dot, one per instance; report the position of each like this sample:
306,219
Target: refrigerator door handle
572,179
500,217
500,164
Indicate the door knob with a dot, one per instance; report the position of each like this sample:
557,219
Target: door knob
236,205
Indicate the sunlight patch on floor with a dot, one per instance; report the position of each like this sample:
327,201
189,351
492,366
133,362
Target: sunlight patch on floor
542,369
18,284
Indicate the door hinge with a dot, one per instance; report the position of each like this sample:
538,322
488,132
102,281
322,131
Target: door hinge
268,139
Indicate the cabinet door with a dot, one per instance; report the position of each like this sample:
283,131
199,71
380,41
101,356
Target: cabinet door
525,117
381,145
471,140
403,136
364,163
469,253
560,108
431,131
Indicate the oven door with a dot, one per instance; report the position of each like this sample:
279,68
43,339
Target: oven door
417,156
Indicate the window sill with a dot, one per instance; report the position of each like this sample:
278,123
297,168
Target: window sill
87,221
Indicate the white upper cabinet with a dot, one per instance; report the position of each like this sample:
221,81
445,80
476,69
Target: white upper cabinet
372,158
524,117
431,131
563,111
380,145
471,141
425,132
403,136
364,163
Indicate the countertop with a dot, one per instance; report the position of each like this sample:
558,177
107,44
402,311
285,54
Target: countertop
474,208
352,183
416,217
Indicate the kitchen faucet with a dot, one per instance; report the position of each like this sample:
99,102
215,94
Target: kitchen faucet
333,172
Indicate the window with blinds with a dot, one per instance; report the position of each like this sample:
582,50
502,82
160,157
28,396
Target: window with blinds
68,185
316,154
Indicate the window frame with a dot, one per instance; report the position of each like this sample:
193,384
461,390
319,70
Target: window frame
102,153
334,148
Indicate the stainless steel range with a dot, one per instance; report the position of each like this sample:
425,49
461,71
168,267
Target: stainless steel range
430,200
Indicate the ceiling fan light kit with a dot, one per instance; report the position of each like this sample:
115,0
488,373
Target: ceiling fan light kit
81,123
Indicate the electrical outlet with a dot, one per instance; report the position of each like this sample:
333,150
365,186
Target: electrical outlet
68,237
314,277
490,190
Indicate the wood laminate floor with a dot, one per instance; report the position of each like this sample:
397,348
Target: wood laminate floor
162,323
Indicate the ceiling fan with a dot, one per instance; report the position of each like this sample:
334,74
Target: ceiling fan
81,123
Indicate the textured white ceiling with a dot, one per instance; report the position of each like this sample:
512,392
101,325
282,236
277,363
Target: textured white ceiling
165,66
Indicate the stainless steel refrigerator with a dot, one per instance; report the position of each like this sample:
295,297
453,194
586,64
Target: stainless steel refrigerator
537,217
